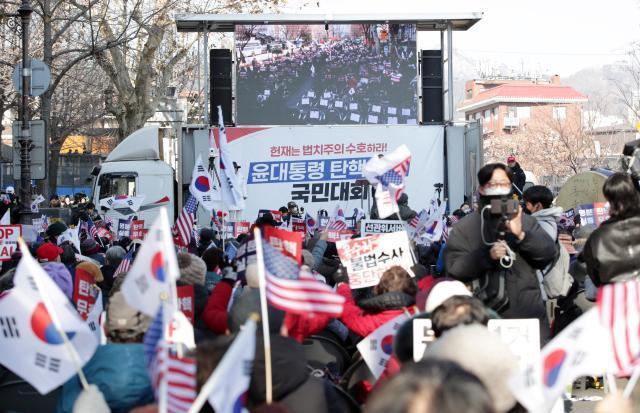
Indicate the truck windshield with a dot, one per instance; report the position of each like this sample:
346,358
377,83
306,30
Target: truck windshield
117,184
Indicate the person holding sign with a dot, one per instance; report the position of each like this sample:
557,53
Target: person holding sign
394,294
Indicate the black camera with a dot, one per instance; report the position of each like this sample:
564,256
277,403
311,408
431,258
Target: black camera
506,207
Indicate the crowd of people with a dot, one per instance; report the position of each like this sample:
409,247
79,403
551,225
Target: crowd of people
337,82
490,266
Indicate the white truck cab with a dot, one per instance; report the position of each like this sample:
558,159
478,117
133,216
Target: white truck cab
135,167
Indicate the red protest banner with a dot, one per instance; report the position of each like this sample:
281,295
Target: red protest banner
241,227
85,292
290,243
335,236
137,229
186,301
9,235
601,212
298,225
105,233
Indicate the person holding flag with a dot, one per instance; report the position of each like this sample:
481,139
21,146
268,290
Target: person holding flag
387,173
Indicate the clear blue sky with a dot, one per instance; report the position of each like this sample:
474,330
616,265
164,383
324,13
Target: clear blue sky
559,36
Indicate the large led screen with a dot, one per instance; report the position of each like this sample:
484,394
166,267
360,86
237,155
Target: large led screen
312,74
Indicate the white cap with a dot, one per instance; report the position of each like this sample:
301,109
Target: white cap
442,291
10,190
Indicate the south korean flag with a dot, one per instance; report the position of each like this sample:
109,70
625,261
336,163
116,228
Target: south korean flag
203,187
43,338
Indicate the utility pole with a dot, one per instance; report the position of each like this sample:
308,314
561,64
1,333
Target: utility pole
24,192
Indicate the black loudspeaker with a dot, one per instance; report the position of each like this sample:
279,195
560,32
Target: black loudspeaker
432,94
221,85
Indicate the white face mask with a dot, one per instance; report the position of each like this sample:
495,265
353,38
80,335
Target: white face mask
496,191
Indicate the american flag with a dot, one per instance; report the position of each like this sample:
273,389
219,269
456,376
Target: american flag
294,291
395,176
338,222
184,224
445,231
164,364
45,223
92,230
125,264
619,308
422,215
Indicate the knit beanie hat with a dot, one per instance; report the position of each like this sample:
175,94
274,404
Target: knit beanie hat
91,269
56,229
192,269
124,320
482,353
61,276
444,290
89,247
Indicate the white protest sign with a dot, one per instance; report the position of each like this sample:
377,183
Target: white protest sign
423,335
381,226
521,335
9,236
366,259
338,104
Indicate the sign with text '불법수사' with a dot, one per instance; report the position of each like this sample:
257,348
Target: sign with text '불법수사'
366,259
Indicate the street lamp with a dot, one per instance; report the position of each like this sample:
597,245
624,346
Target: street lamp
24,191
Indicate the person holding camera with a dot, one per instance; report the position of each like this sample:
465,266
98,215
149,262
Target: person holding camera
612,251
497,249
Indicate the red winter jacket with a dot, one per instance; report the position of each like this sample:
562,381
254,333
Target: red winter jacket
215,315
360,321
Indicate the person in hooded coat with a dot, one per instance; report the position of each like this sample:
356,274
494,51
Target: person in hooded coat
118,368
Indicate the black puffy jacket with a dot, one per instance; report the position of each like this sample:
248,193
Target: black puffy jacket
612,252
467,257
292,384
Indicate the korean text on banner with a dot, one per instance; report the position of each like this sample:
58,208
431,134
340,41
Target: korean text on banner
186,301
9,235
287,242
85,292
124,228
137,229
366,259
381,226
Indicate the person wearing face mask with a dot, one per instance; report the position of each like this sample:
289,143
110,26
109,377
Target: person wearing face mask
475,253
538,201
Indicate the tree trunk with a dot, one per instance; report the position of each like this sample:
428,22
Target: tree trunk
52,177
45,102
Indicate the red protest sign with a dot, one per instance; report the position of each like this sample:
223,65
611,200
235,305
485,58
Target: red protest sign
241,227
105,233
290,243
9,235
335,236
137,229
84,292
186,301
298,225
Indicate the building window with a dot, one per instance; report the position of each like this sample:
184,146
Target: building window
487,115
495,112
559,112
524,112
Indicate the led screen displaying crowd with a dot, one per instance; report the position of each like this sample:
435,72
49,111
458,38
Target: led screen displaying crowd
344,79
